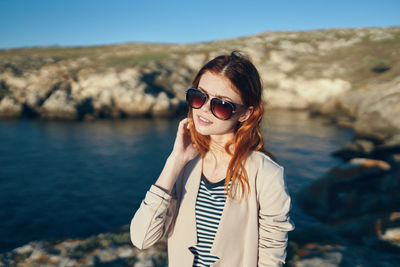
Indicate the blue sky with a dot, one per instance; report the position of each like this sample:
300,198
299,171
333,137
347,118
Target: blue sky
92,22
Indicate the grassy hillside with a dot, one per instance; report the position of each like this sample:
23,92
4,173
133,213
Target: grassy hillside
357,54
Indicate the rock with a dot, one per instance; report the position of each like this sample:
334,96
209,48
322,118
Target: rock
164,106
359,200
389,230
381,128
106,255
390,146
194,61
10,108
350,190
329,45
298,48
281,61
360,148
133,105
28,248
126,252
377,106
300,93
370,164
106,249
59,106
144,260
344,254
36,255
327,259
394,161
12,81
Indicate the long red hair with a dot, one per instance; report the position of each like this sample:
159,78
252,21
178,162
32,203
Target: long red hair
243,75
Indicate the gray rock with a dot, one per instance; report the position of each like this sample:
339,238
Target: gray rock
144,260
390,146
349,191
330,259
360,148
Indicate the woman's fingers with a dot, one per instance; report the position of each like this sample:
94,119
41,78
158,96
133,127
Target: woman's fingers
182,125
181,135
183,143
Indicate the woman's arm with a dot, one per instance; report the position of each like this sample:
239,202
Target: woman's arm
153,218
156,212
274,220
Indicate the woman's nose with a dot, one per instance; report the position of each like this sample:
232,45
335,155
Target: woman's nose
206,106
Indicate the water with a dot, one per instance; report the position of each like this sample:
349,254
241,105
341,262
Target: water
74,179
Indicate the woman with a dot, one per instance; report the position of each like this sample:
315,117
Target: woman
220,197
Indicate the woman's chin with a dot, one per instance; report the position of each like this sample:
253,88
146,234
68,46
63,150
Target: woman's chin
201,129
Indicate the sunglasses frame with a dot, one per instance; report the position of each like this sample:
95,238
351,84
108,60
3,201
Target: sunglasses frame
212,103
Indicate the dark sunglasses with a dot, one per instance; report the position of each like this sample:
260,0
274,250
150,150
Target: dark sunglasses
220,108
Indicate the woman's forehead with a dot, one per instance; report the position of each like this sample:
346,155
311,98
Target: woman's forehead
218,85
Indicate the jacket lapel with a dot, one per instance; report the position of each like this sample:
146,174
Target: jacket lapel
188,208
226,228
235,211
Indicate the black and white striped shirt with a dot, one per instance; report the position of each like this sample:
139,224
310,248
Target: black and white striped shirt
210,204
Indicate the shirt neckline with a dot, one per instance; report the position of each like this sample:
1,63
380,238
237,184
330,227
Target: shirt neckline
210,185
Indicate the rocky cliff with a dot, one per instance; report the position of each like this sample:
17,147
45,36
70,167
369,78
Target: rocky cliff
354,73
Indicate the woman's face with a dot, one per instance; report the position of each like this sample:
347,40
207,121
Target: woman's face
215,85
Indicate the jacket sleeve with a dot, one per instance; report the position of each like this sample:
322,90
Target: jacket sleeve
274,220
153,218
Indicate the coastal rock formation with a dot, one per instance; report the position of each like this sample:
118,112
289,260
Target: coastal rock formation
351,75
351,190
115,250
108,249
373,113
359,199
51,93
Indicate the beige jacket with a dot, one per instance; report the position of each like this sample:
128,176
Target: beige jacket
252,232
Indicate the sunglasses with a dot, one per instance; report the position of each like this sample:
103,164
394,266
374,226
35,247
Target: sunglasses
220,108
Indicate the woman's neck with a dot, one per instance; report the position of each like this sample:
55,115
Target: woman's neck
217,147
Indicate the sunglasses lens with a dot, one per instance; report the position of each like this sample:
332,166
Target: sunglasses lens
221,109
195,98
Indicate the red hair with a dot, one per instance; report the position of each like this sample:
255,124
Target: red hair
245,79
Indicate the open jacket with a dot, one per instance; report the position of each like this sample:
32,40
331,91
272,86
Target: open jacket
252,231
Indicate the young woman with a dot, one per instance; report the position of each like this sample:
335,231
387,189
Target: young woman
221,198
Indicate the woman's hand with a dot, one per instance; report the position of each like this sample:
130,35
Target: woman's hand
184,149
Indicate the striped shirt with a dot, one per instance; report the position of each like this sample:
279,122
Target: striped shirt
210,204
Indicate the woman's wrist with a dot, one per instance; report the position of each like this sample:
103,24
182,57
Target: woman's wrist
177,159
169,174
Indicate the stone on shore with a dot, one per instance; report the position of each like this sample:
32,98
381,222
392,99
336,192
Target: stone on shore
351,190
108,249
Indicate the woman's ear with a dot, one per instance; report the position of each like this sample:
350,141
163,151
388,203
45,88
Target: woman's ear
246,114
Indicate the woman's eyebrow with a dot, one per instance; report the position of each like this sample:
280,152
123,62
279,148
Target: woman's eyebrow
220,96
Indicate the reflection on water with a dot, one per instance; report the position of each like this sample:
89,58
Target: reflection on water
74,179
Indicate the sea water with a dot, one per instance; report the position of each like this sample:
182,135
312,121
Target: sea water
78,178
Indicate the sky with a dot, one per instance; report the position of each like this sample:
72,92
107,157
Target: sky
26,23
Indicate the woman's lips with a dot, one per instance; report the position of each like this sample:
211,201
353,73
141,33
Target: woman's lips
203,121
